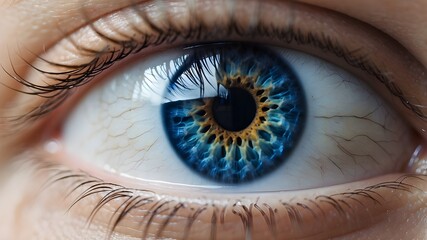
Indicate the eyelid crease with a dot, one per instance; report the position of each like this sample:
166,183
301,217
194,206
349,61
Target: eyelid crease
116,49
244,213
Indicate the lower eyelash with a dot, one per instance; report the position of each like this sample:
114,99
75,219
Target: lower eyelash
166,207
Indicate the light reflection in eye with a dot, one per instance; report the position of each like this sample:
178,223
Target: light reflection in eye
350,134
247,118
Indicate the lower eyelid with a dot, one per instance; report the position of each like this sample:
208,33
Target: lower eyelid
254,219
293,214
241,220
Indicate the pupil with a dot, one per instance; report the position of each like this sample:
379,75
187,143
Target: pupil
229,130
235,111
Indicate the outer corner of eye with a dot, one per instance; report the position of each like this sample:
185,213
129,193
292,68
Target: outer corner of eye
237,117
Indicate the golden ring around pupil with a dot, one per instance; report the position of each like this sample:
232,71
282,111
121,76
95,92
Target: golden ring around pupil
228,138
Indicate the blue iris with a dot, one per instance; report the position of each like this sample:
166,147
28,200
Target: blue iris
250,127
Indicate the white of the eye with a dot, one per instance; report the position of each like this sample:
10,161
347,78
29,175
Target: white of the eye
350,133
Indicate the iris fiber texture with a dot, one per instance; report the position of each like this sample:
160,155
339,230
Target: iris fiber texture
249,127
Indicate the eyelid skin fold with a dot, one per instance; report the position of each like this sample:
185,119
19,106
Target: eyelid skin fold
408,28
142,213
366,51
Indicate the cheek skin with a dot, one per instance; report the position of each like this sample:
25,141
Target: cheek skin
29,212
35,211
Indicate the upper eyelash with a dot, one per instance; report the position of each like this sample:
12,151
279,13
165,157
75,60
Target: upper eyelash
135,199
77,76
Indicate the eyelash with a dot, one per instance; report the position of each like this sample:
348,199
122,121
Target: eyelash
77,76
135,199
131,199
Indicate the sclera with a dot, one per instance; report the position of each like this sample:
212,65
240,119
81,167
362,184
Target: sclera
350,133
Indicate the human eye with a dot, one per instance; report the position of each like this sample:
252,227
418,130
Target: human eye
220,119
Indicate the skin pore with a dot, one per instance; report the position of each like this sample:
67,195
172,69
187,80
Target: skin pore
30,210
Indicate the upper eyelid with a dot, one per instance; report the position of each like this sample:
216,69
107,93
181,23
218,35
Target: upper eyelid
75,15
52,20
357,61
63,21
406,28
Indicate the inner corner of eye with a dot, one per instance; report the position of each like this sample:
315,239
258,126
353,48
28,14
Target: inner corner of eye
237,115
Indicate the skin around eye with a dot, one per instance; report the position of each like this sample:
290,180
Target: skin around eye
105,44
184,212
376,208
